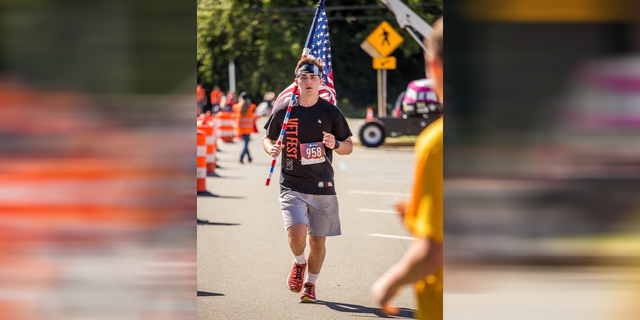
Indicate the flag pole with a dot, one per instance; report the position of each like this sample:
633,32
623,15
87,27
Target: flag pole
295,89
284,126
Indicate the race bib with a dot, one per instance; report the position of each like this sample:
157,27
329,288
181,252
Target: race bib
312,153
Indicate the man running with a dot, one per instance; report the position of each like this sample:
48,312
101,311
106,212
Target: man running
422,264
316,128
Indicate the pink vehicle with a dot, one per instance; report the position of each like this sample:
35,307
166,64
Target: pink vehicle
419,108
420,99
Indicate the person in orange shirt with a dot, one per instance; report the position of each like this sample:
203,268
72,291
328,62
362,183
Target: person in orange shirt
216,95
244,111
231,101
202,98
422,264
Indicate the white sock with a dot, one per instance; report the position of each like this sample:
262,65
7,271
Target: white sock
312,277
300,259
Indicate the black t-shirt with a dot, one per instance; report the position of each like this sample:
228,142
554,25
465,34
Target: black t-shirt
305,127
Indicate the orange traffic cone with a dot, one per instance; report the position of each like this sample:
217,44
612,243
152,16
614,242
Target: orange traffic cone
369,114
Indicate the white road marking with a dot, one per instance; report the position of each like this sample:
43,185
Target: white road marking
378,193
394,179
391,236
377,211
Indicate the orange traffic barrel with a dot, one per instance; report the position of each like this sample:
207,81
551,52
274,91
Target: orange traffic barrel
209,119
226,123
211,148
213,121
202,161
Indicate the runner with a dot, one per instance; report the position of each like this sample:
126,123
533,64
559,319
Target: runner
316,128
422,263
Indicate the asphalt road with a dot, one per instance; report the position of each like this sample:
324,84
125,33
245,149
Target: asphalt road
244,258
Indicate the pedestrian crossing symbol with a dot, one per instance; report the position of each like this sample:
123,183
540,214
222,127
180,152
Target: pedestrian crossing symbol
384,39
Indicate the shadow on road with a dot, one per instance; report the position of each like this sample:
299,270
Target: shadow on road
227,161
209,223
263,164
209,294
354,308
209,194
231,177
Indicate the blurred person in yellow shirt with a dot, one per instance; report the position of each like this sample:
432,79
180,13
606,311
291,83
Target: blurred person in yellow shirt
422,262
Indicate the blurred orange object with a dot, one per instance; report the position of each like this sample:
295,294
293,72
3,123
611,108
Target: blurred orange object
211,148
226,126
202,162
369,114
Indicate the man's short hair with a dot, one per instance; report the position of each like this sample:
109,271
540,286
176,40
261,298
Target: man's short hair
316,62
435,43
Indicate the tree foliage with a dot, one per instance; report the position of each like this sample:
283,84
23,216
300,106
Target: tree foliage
265,39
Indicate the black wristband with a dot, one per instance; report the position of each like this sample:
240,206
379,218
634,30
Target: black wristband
337,145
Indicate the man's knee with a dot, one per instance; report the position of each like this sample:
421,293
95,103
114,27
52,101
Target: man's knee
317,243
297,233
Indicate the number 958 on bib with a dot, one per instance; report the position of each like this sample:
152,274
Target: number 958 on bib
312,153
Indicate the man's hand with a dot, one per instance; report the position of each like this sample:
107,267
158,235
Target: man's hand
401,208
271,147
383,292
329,140
275,150
422,258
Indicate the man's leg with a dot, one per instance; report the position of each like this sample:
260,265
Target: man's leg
245,148
247,138
297,235
297,238
317,251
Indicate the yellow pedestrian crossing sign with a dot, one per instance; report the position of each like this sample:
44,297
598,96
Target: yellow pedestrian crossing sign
384,39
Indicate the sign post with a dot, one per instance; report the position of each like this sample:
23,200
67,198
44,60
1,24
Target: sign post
379,45
232,76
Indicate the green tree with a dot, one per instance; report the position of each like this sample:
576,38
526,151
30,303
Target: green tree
265,40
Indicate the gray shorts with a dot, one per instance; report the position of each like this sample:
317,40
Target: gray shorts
318,212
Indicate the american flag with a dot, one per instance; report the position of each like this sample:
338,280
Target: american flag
317,46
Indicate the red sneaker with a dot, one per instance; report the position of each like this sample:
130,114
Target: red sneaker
309,294
296,277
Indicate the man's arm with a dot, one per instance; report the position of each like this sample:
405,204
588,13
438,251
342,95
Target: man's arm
270,146
344,147
423,258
